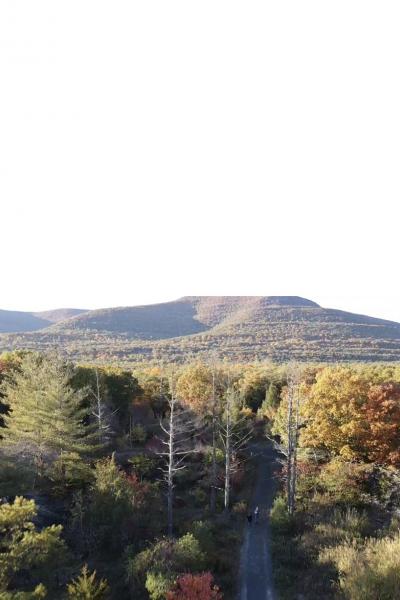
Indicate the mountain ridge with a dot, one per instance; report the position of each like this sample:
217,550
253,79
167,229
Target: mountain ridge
240,328
14,321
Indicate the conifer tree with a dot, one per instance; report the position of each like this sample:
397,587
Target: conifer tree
46,418
88,587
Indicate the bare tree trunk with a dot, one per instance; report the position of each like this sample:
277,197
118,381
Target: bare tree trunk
233,440
296,443
289,449
293,426
170,476
228,455
178,433
213,491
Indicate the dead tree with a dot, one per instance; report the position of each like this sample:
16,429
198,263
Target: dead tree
178,432
101,413
214,437
292,431
234,440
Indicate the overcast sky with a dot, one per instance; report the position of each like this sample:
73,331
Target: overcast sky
153,149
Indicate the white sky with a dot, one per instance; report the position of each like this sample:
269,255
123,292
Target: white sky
153,149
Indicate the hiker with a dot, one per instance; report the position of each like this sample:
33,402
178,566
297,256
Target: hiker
249,518
256,512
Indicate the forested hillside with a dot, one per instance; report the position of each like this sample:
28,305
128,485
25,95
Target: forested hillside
239,328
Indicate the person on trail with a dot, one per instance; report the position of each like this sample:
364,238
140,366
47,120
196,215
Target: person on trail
256,512
249,518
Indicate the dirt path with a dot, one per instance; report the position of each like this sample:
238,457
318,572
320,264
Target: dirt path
255,562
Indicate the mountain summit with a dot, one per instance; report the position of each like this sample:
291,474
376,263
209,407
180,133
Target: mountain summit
240,328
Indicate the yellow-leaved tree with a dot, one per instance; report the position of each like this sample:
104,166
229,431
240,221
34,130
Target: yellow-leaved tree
333,412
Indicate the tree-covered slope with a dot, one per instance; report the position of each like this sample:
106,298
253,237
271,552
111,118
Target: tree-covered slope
240,328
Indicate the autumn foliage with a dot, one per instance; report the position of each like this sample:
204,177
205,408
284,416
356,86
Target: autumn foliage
382,419
195,587
346,414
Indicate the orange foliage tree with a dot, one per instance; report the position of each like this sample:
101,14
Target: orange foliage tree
382,416
195,587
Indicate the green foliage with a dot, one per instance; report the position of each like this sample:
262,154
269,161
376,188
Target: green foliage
344,481
158,584
138,434
279,517
45,420
111,505
22,546
87,587
38,593
164,559
143,465
199,496
70,472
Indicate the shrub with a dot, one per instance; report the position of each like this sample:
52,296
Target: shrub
240,508
23,547
166,557
142,465
158,585
343,525
86,587
344,481
138,434
279,517
370,571
195,587
200,496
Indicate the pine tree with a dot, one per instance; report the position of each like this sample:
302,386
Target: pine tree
22,546
46,418
87,587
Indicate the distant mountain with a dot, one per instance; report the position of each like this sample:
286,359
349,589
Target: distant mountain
16,321
60,314
240,328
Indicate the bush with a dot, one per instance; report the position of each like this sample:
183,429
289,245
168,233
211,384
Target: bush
138,434
370,571
195,587
199,496
240,508
345,481
280,519
158,584
143,465
68,472
166,557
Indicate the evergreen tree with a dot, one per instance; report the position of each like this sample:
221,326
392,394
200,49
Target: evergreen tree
272,395
23,547
46,417
87,587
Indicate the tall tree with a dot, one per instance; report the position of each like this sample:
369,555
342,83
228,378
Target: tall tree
46,418
178,429
293,424
234,436
199,387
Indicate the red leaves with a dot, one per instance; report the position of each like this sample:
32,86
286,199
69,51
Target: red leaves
195,587
382,416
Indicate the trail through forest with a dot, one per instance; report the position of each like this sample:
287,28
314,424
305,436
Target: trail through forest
255,563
